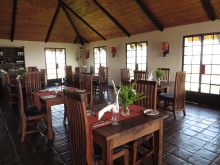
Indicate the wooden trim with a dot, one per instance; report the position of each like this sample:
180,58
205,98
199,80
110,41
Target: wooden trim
150,15
207,6
52,22
79,37
119,25
13,24
86,23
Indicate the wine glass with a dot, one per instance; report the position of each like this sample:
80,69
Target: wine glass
57,87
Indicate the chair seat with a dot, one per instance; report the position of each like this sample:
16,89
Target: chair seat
33,111
167,95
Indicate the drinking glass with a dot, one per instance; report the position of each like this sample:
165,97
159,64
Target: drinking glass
115,115
57,87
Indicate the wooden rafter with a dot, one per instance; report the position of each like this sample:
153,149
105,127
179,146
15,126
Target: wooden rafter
207,6
52,22
119,25
13,24
86,23
150,15
79,37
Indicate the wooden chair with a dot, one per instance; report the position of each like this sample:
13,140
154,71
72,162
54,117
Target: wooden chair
80,141
69,76
140,75
32,82
125,76
144,146
166,75
176,99
102,85
32,69
28,115
86,82
43,78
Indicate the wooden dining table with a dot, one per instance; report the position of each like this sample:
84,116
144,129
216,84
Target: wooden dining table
110,137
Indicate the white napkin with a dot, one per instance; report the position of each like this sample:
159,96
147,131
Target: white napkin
108,108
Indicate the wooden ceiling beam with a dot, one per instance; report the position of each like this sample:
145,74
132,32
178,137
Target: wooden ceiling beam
79,37
207,6
86,23
52,22
150,15
13,24
119,25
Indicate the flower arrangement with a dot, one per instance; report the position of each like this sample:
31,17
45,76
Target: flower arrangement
128,96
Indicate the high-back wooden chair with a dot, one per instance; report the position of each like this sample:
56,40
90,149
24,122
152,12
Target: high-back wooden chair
103,79
43,78
125,76
140,75
177,99
166,75
80,141
32,82
86,82
149,89
32,69
68,76
27,115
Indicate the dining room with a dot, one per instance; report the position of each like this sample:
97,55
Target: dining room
88,82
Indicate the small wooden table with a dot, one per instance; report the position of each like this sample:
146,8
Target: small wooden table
110,137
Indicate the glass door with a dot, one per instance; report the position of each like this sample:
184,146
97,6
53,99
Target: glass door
201,61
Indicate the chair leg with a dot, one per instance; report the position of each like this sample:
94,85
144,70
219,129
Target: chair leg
23,131
184,112
134,153
126,156
174,114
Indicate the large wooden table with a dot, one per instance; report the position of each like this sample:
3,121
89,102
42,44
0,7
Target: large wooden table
110,137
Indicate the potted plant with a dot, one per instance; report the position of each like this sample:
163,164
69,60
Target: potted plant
159,74
128,96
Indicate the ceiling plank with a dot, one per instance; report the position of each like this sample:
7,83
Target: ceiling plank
13,25
52,22
79,37
119,25
207,6
80,18
150,15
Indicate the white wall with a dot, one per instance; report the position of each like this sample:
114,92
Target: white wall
173,35
34,51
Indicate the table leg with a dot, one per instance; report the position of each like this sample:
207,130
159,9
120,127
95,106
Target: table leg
158,145
107,153
49,124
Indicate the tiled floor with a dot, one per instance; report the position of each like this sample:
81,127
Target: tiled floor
193,139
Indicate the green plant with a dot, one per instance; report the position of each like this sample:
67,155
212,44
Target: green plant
128,95
159,73
21,72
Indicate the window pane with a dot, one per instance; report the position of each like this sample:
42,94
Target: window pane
187,59
197,40
187,86
195,68
188,77
188,41
187,68
215,69
206,78
207,59
100,57
216,59
195,78
214,89
196,50
208,39
216,49
205,88
195,59
215,79
195,87
188,51
208,69
207,49
217,39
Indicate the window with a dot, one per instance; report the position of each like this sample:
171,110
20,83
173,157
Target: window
201,61
100,57
55,62
136,56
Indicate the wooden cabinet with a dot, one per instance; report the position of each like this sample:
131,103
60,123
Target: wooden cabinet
12,58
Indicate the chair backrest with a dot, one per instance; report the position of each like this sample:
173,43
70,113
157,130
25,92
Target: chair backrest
125,75
69,76
32,81
32,69
103,75
43,78
79,135
77,70
86,82
20,99
166,75
140,75
149,89
179,91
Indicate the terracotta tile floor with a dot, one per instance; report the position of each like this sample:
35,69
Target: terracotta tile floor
193,139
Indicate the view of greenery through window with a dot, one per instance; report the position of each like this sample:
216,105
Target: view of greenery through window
100,57
136,56
55,62
202,63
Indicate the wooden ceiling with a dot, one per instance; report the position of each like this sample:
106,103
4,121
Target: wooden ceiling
82,21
